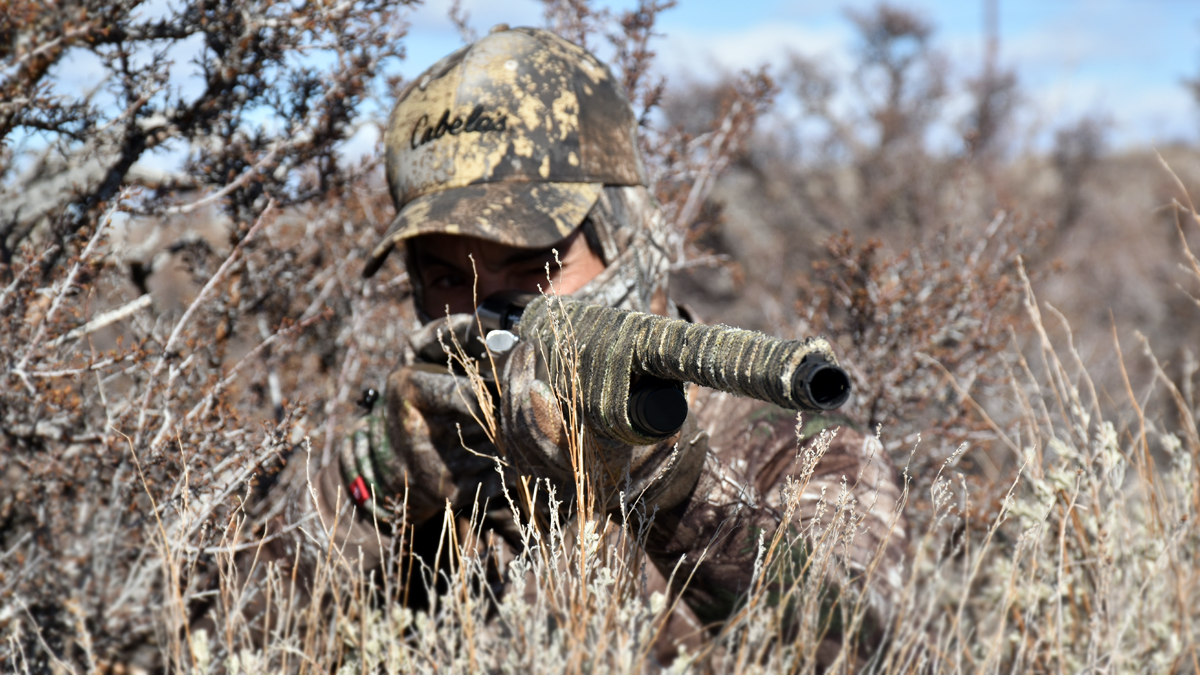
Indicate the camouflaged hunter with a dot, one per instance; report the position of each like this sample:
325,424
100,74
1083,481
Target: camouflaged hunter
522,139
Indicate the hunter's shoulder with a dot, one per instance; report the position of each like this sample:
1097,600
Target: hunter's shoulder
738,424
728,417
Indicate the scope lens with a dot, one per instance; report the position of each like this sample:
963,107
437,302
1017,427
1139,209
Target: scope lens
657,410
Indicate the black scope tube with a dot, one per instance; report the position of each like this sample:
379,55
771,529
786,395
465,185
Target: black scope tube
503,310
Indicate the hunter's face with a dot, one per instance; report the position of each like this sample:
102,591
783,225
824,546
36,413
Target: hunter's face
443,263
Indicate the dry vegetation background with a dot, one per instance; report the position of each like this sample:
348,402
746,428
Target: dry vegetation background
181,348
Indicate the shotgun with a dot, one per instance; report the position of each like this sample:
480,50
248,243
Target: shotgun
629,367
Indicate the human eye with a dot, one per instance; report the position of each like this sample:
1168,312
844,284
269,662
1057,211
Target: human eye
441,275
538,271
447,280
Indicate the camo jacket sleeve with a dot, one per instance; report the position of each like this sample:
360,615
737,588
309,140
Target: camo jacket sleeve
738,503
716,489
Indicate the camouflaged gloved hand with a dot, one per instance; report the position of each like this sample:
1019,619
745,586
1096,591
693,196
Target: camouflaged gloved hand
539,442
408,449
423,445
411,450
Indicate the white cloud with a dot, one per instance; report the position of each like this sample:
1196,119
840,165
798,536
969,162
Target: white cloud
1051,47
483,14
697,54
361,145
431,35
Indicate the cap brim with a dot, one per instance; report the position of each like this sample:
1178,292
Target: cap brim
522,214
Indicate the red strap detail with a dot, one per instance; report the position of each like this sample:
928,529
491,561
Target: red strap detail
359,492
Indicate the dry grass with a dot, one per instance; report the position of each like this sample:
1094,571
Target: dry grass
156,454
1085,563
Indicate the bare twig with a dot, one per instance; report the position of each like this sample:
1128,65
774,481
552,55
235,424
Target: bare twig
104,320
237,183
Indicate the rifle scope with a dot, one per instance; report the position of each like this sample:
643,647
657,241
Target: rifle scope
643,359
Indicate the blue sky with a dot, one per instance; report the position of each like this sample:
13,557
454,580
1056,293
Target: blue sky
1122,59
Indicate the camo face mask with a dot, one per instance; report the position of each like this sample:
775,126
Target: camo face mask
634,240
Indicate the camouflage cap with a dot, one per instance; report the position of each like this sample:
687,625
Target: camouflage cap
509,139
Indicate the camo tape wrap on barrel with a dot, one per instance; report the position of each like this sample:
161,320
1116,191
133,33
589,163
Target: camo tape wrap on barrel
615,343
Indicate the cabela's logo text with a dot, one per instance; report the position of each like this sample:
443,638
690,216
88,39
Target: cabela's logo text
476,122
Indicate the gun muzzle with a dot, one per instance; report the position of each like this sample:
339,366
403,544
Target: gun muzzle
824,385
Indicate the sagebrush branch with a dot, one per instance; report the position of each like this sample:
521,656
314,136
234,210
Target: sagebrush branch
105,319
